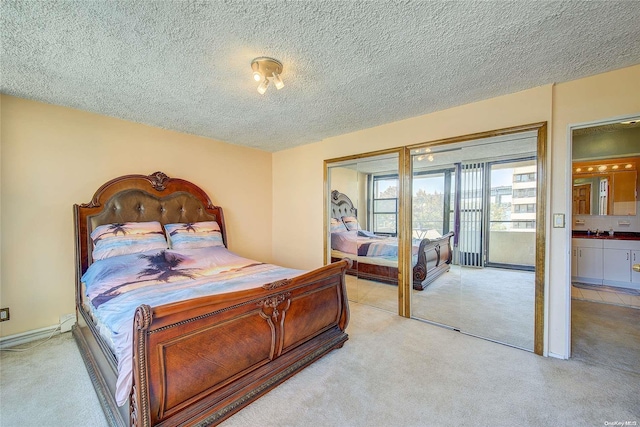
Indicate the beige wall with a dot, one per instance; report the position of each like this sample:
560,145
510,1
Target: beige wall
53,157
298,178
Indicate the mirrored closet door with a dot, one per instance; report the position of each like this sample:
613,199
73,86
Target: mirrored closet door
449,232
362,216
474,217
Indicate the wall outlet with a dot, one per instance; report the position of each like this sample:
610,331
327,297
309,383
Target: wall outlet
4,314
66,322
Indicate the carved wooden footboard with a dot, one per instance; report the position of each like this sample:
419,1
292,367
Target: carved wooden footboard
434,258
200,361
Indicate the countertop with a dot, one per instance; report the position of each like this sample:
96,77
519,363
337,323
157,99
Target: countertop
617,235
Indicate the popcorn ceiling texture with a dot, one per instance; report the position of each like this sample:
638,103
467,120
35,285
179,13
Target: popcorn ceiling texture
348,65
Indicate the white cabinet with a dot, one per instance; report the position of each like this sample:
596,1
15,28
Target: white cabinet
590,264
605,262
617,265
635,275
588,260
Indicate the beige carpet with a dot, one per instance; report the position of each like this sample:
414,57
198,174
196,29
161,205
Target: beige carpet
392,372
606,334
47,386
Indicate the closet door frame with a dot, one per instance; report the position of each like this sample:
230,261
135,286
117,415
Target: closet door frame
403,279
541,213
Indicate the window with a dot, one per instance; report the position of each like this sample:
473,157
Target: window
524,177
524,192
385,205
433,202
524,224
525,208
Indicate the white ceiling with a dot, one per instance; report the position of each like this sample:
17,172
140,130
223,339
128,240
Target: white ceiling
348,65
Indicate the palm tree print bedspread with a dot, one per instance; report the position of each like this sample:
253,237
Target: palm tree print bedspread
116,286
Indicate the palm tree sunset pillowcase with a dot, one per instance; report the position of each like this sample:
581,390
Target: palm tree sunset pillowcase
191,235
351,222
127,238
337,226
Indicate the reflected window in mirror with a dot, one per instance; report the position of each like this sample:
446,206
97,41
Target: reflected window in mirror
384,212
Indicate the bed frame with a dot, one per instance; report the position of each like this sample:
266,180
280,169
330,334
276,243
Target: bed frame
434,255
199,361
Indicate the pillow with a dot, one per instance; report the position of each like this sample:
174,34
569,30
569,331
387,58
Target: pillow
337,226
191,235
351,222
126,238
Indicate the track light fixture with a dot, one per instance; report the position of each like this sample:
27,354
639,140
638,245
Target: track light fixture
265,70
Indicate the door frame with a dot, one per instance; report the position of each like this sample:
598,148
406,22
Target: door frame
569,204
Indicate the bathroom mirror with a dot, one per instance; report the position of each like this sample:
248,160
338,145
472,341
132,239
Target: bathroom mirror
605,169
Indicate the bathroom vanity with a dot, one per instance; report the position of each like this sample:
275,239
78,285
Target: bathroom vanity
601,259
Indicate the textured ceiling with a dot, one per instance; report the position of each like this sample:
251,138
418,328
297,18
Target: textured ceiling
348,65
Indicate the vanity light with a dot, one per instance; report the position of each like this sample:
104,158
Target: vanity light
267,69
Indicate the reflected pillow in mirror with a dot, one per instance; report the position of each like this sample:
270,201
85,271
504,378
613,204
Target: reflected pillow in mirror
126,238
192,235
337,226
351,222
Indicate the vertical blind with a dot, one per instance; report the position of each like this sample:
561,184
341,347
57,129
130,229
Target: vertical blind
470,203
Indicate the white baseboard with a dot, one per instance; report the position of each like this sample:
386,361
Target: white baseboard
26,337
557,356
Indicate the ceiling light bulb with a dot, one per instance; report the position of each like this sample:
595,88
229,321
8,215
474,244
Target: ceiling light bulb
579,170
277,81
589,169
602,168
262,88
266,70
628,166
430,157
614,167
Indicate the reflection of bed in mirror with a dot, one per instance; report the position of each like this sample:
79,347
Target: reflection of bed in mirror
376,257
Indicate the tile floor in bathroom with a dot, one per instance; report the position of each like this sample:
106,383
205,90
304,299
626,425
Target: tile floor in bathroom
609,297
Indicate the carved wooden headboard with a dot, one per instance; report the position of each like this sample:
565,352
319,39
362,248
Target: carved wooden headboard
141,198
341,205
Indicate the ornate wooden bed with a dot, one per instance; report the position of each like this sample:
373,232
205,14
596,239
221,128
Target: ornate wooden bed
434,255
198,361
